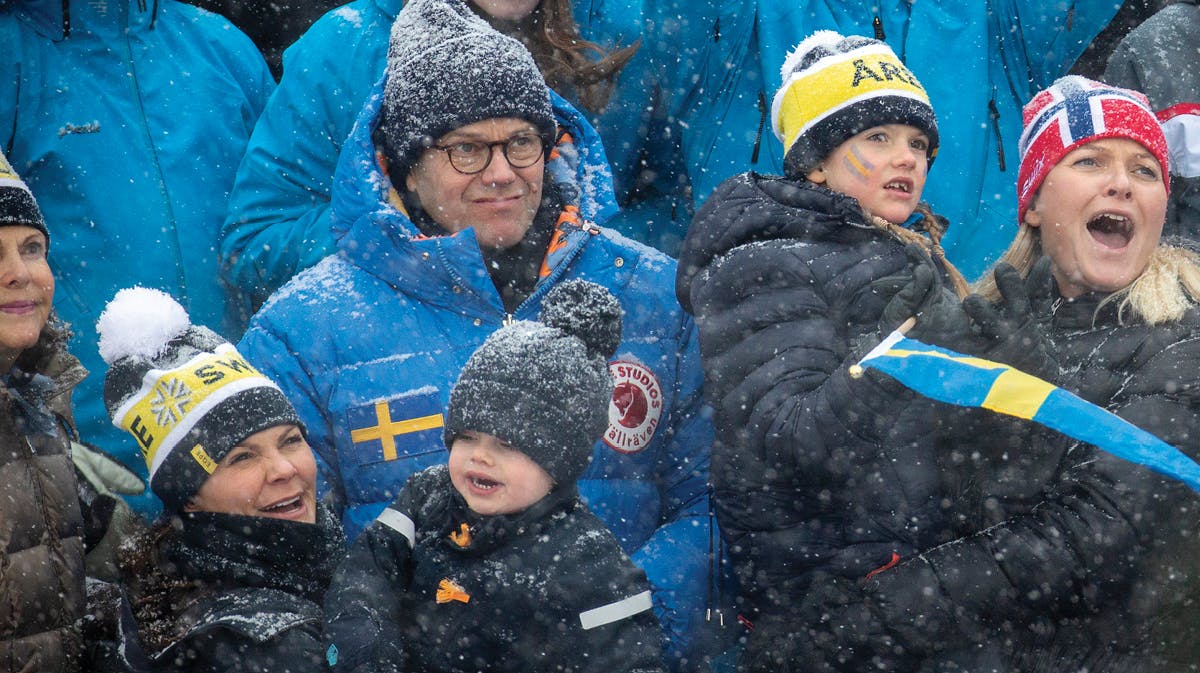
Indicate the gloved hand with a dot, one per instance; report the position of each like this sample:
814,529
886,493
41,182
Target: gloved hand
1015,331
940,319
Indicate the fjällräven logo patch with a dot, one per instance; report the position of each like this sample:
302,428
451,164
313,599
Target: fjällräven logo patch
636,407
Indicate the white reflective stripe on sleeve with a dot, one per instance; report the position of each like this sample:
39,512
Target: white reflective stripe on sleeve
399,522
615,612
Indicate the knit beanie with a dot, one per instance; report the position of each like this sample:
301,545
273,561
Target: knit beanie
836,86
544,387
182,391
17,205
447,68
1075,111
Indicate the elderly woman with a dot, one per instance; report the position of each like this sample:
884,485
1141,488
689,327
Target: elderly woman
1076,559
41,529
232,576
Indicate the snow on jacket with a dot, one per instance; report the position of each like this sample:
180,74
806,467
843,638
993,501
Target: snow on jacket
278,221
129,128
41,532
816,474
368,343
430,586
1158,59
719,63
222,593
1083,561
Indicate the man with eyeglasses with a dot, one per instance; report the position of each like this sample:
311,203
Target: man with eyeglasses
466,191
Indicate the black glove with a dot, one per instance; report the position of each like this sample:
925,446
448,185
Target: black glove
1015,330
940,319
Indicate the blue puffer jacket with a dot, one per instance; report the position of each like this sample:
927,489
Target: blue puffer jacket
719,62
128,127
278,218
369,341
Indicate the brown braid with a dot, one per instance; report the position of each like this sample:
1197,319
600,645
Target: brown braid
566,60
932,243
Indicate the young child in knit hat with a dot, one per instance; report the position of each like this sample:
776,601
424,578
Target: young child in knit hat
492,562
821,478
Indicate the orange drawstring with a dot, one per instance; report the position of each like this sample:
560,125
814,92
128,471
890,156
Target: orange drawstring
449,591
462,537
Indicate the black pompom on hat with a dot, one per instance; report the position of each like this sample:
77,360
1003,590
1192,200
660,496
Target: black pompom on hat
544,387
17,205
835,87
447,68
184,393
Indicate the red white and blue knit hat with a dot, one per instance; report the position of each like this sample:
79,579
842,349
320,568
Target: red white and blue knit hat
1075,111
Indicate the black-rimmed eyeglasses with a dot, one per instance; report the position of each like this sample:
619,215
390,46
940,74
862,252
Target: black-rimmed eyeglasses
470,157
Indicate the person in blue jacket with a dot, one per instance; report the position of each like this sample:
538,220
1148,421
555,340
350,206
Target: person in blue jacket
448,225
717,61
128,119
278,218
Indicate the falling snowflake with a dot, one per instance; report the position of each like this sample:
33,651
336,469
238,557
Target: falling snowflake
171,400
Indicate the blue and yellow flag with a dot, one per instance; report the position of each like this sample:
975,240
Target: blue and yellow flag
967,381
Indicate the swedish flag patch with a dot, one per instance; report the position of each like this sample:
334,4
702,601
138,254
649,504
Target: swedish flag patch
388,429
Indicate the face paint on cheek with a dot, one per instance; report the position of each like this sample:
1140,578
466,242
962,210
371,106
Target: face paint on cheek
856,164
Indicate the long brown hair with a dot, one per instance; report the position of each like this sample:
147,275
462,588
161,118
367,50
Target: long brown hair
570,64
934,228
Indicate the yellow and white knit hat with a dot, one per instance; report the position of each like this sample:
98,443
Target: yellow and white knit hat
836,86
185,394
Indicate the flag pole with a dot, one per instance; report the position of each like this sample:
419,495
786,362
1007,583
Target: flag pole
856,370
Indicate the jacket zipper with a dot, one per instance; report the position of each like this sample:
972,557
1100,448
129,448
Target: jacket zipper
762,123
994,113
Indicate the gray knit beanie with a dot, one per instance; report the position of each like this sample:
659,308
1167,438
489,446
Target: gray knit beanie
447,68
544,387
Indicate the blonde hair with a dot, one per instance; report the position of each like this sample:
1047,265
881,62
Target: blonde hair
932,243
1162,293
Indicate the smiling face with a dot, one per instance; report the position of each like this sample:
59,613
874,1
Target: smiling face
1100,212
883,167
493,477
271,473
499,202
26,290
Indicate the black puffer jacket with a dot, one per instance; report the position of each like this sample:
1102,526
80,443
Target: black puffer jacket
226,593
815,473
1101,573
431,587
41,528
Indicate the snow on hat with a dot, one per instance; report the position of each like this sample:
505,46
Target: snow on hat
447,68
1075,111
17,205
1181,126
836,86
184,393
544,387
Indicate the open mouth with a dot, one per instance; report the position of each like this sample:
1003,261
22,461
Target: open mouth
484,484
1111,230
285,507
899,186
